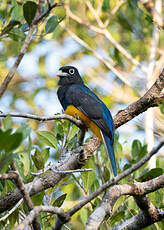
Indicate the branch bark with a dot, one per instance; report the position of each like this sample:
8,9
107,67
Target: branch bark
106,185
19,183
28,220
138,221
137,189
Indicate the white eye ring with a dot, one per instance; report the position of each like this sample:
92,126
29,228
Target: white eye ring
71,71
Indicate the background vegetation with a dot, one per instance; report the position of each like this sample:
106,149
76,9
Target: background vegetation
119,50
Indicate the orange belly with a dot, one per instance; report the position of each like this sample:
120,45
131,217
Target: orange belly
72,111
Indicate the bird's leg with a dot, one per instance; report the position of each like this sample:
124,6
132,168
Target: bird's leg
77,116
81,136
81,132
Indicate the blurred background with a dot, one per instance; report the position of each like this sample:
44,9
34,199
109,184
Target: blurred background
118,48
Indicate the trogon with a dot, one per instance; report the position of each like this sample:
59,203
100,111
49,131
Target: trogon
79,101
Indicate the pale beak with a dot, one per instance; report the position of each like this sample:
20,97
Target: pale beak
61,74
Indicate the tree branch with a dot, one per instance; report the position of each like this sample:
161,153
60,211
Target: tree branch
38,17
138,221
157,17
44,118
137,189
37,209
151,98
19,183
106,185
102,30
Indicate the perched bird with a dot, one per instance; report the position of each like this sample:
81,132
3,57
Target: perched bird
79,101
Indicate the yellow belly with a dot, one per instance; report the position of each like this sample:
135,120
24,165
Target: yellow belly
72,111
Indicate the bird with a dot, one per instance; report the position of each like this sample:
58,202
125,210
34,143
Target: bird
79,101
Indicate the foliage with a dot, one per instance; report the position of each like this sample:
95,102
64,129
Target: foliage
34,144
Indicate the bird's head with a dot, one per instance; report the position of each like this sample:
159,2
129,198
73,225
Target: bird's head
69,75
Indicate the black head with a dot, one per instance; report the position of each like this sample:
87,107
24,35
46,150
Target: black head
69,75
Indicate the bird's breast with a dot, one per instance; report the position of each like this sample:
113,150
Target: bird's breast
74,112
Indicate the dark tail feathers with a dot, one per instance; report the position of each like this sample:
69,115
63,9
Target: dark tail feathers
110,150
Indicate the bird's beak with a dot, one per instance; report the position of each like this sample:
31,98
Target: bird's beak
61,74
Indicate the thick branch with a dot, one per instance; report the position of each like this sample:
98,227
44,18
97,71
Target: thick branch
75,160
106,185
149,210
139,221
151,98
106,205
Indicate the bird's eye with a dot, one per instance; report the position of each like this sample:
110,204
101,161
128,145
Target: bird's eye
71,71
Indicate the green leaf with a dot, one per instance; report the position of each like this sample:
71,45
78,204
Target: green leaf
119,202
106,174
136,147
16,13
48,138
45,154
88,178
6,123
118,57
73,131
84,215
29,11
25,130
149,18
37,159
162,107
17,34
116,218
40,158
122,19
142,152
5,161
92,2
106,5
51,24
118,148
26,162
38,198
59,201
9,142
9,27
153,173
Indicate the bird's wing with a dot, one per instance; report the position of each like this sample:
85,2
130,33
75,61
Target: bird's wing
87,102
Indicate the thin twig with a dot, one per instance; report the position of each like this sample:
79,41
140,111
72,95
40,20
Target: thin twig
98,56
102,30
25,194
44,118
59,172
71,171
37,209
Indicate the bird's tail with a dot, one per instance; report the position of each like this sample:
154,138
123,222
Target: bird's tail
110,149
